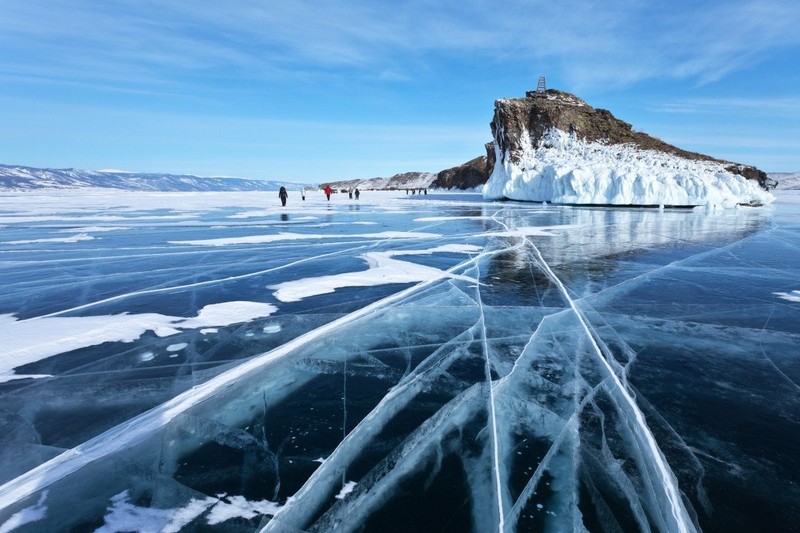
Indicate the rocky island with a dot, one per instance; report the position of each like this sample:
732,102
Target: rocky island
551,146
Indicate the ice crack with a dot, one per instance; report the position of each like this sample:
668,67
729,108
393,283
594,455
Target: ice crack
682,522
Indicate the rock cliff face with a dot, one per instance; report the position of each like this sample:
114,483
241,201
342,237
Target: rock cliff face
552,146
471,174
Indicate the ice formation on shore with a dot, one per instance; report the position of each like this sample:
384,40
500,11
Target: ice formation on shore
563,169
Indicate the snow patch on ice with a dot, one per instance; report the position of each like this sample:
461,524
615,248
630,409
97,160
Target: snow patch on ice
238,506
793,296
123,516
72,238
27,515
93,229
383,269
147,356
563,169
28,341
346,489
177,347
263,239
272,328
227,313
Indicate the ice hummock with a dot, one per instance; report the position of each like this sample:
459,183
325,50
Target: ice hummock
563,169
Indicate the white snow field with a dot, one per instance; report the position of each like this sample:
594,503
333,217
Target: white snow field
214,362
562,169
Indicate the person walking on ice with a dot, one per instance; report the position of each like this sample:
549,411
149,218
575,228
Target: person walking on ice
283,195
328,192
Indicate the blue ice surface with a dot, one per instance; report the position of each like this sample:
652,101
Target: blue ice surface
633,369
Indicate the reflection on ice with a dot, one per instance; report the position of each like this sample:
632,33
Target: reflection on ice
604,232
519,368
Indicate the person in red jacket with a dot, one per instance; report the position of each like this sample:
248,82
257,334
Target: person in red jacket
328,192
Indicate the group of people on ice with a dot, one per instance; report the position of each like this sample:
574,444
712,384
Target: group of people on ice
284,195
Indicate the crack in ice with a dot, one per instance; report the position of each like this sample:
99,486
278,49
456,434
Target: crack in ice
141,426
492,409
678,510
195,285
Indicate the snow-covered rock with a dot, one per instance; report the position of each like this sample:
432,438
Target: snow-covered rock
565,170
554,147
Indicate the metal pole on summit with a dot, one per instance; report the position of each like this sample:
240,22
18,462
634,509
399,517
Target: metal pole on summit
541,86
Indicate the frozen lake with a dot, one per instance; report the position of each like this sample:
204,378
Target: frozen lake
214,362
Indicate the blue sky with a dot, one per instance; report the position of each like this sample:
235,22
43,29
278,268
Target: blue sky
313,90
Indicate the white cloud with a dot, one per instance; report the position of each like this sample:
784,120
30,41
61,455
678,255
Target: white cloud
761,106
614,43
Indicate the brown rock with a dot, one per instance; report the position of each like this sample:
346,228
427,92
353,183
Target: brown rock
469,175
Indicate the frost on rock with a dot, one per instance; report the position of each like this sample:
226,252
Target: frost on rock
562,169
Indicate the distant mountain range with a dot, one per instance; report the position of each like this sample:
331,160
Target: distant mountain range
406,180
19,178
786,180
